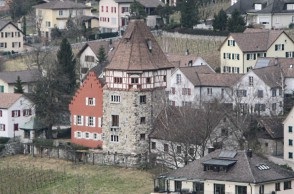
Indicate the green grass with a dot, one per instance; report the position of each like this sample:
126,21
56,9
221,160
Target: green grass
57,176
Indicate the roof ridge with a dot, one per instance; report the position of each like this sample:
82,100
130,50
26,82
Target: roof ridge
250,170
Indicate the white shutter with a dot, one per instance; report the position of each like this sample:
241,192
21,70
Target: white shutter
94,121
75,119
87,100
94,101
82,120
86,121
75,134
99,122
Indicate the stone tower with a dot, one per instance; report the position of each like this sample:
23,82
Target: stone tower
134,93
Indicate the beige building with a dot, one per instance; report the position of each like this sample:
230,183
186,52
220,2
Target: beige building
239,51
56,13
11,37
114,14
228,172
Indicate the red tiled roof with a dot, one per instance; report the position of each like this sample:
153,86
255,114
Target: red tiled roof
8,99
133,53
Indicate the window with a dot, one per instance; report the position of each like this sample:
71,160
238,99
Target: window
15,126
0,113
209,91
91,121
60,12
274,92
1,89
279,47
124,9
241,189
142,136
142,120
115,120
261,189
148,80
250,81
179,149
87,135
27,112
179,78
289,54
89,58
2,127
290,129
225,132
185,103
48,24
164,78
106,8
79,120
115,98
165,147
231,42
259,107
172,103
277,187
191,151
219,188
178,186
260,93
241,93
173,90
90,101
15,113
198,187
290,141
143,99
134,80
287,185
95,136
79,134
117,80
114,138
251,56
274,106
27,134
290,155
153,145
186,91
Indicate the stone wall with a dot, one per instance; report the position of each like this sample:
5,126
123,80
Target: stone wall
12,147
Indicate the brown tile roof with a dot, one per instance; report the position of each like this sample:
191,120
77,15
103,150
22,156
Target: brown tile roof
256,40
184,124
204,76
133,53
286,64
244,170
8,99
179,60
272,75
26,76
62,5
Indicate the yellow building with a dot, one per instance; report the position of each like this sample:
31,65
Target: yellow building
56,13
11,37
239,51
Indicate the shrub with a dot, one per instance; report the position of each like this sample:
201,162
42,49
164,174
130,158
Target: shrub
4,140
43,142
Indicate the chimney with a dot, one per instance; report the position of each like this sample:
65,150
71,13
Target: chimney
249,153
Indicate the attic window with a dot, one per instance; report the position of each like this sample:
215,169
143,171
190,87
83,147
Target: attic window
263,167
149,44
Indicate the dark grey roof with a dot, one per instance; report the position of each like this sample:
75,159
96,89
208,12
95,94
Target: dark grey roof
62,5
276,6
145,3
219,162
273,126
26,76
242,6
272,75
246,169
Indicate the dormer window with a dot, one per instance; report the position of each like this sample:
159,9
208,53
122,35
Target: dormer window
290,6
257,6
231,43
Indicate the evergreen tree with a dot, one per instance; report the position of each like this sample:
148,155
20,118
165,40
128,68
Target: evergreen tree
236,22
67,65
220,21
18,88
189,13
24,27
102,57
137,10
164,12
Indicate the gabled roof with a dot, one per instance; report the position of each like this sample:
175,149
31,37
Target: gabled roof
145,3
26,76
254,41
245,170
3,24
241,5
33,124
273,126
184,124
8,99
271,76
62,5
138,50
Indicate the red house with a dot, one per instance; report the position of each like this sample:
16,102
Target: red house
86,110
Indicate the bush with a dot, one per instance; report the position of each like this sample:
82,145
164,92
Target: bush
43,142
64,133
203,32
1,147
4,140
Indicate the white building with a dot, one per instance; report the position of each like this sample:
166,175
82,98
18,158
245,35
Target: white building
11,37
289,137
15,110
228,172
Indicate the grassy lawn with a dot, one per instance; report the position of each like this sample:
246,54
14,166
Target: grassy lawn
50,176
